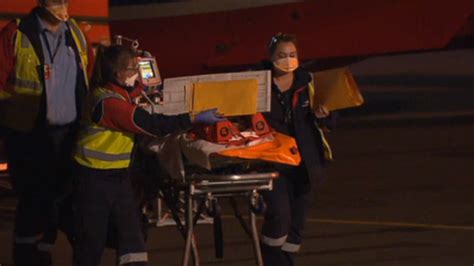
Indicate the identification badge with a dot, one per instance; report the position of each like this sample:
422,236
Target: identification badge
48,70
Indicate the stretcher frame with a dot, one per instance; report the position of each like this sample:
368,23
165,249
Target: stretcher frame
207,188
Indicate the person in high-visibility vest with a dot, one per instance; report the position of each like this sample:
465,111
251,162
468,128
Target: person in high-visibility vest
103,192
43,81
292,114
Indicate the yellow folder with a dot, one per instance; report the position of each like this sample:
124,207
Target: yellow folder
336,89
231,98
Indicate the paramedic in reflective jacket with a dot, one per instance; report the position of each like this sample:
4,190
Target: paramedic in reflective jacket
103,192
291,114
43,81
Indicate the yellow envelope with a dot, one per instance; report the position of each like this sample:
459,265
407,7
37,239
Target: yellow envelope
336,89
231,98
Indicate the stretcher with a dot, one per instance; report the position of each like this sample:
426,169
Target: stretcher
199,174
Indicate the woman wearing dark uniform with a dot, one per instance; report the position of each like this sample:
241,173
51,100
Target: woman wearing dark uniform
292,114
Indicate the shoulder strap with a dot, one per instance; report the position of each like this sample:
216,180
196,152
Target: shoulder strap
72,24
311,91
104,94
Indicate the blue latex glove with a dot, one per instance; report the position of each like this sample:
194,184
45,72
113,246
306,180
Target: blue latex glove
208,117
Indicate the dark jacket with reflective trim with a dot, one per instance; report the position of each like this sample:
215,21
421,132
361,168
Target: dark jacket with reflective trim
291,114
29,112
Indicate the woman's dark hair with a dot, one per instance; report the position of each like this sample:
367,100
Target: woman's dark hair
108,62
279,38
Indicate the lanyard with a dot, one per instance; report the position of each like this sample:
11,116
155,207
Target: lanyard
285,100
48,47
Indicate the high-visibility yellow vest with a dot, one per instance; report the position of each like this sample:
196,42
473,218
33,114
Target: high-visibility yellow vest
327,149
102,148
19,109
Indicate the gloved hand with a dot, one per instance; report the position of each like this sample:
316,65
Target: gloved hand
208,117
321,112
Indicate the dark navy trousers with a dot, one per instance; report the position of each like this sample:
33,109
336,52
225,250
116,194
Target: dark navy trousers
105,203
40,167
284,219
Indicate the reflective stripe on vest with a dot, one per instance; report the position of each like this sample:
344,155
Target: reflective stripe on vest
27,86
104,156
81,44
311,92
27,77
327,149
21,110
102,148
100,96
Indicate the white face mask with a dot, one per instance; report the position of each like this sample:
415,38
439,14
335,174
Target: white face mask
59,9
286,64
130,81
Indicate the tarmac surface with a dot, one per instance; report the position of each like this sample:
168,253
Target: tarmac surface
401,188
